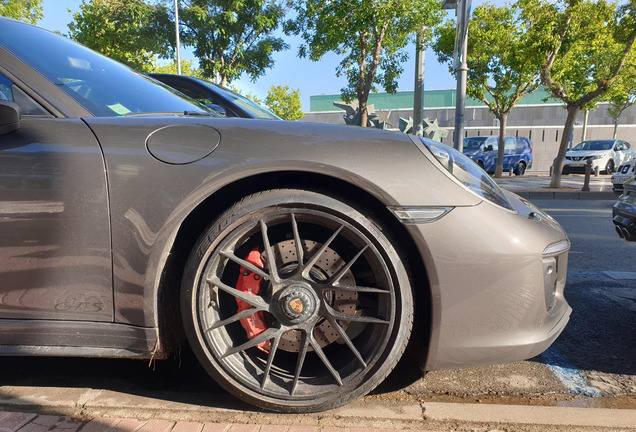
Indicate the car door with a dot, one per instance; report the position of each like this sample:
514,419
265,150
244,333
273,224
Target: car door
628,153
55,253
510,153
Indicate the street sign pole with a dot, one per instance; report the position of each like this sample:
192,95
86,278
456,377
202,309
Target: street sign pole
462,11
176,29
418,100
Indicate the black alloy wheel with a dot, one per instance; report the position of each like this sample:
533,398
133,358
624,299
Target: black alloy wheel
330,308
609,168
520,169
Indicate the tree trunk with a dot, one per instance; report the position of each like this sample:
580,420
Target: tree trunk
503,125
362,109
223,81
615,127
573,110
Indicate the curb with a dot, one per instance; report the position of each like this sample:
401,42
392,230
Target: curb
534,195
370,413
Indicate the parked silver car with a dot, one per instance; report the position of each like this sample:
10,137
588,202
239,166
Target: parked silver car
298,260
605,156
623,173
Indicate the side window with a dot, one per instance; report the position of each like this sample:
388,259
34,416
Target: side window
510,144
626,145
522,145
5,88
11,92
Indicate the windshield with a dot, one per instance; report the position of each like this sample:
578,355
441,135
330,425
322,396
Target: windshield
473,143
102,86
594,145
251,107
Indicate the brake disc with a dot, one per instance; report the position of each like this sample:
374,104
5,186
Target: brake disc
327,265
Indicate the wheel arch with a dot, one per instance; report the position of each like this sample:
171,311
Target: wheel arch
170,328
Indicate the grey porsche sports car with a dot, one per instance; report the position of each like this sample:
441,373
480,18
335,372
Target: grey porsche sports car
296,259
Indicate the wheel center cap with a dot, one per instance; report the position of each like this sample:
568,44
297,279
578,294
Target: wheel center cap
297,303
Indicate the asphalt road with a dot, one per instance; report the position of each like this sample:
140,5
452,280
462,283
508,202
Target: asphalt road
593,363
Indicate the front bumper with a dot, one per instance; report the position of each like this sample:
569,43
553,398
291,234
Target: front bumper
497,296
579,167
618,181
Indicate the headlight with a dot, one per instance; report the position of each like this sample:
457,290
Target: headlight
468,173
598,157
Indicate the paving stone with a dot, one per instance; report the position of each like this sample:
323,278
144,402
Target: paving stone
187,427
11,421
101,425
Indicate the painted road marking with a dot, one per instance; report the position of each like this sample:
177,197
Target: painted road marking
571,377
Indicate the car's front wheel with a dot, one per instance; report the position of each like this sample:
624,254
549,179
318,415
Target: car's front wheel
609,168
294,301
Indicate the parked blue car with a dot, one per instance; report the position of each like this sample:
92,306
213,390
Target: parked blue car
483,150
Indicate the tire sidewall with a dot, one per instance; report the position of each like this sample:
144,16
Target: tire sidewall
252,207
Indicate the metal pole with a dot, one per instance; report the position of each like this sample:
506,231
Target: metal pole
176,29
462,69
585,117
418,100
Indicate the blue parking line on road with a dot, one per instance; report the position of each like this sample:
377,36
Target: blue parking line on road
570,376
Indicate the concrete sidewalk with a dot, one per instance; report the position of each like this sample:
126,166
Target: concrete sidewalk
537,186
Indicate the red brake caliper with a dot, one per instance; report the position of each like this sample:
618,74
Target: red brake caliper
250,282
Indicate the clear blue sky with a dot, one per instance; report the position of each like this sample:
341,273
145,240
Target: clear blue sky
312,78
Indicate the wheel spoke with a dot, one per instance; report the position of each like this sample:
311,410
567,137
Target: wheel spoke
340,274
233,319
314,259
269,253
355,318
355,288
321,355
343,334
248,265
301,361
300,253
263,337
270,359
250,299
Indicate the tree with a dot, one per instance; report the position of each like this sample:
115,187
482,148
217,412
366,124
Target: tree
23,10
187,68
622,95
232,37
370,34
129,31
585,45
502,67
285,102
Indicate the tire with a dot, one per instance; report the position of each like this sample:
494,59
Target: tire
481,164
520,169
335,326
609,168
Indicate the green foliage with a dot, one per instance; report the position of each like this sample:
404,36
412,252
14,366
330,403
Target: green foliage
232,37
370,34
285,102
585,45
503,65
129,31
187,68
23,10
622,94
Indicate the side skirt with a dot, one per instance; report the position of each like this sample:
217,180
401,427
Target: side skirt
77,339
